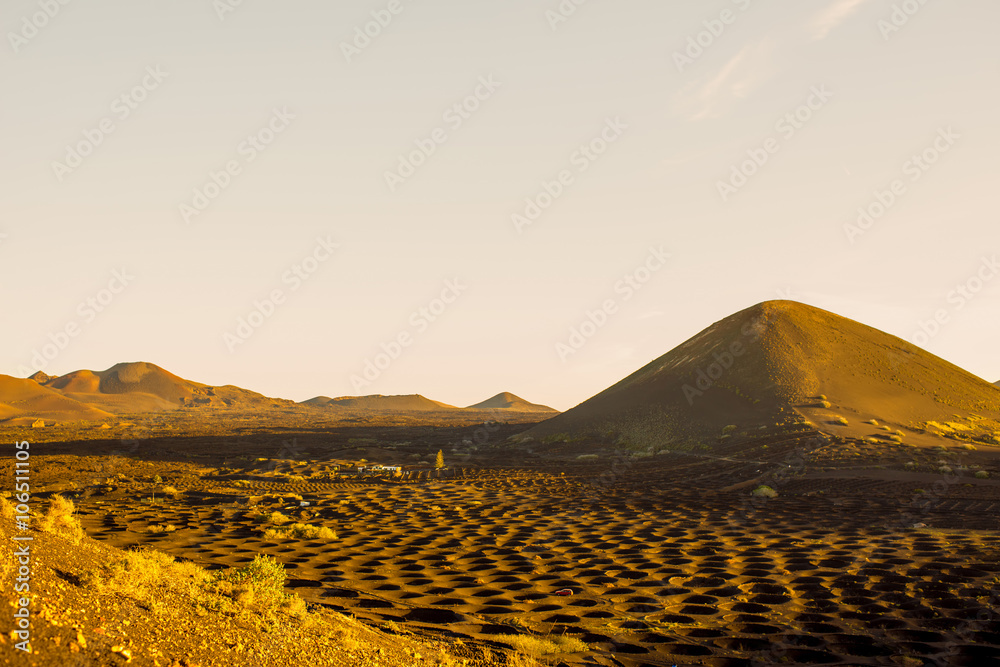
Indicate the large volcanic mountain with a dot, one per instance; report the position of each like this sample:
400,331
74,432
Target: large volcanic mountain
777,362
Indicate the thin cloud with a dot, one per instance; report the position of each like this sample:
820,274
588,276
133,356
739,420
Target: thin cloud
736,79
833,16
757,63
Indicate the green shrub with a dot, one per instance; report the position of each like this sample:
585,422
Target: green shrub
264,576
273,518
764,491
982,474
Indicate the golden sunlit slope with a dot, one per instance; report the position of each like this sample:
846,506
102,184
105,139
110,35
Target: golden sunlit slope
85,382
379,403
144,387
770,363
26,400
508,401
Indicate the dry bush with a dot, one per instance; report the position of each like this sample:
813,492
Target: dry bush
253,592
60,519
6,508
161,528
299,531
145,574
545,645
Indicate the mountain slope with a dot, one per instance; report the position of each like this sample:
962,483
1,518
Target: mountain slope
508,401
24,400
143,387
768,364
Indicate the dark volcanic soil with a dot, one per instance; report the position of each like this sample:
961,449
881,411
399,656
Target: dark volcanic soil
870,553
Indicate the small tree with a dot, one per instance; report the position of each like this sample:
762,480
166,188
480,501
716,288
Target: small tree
439,463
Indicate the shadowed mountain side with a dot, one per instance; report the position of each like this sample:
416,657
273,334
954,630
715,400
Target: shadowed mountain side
761,366
508,401
25,400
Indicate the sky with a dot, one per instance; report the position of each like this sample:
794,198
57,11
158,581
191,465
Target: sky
457,199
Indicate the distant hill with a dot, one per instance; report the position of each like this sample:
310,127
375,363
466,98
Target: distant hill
22,401
320,402
770,364
143,387
508,401
40,377
379,403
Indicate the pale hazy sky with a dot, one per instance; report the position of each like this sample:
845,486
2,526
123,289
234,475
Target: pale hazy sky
183,85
